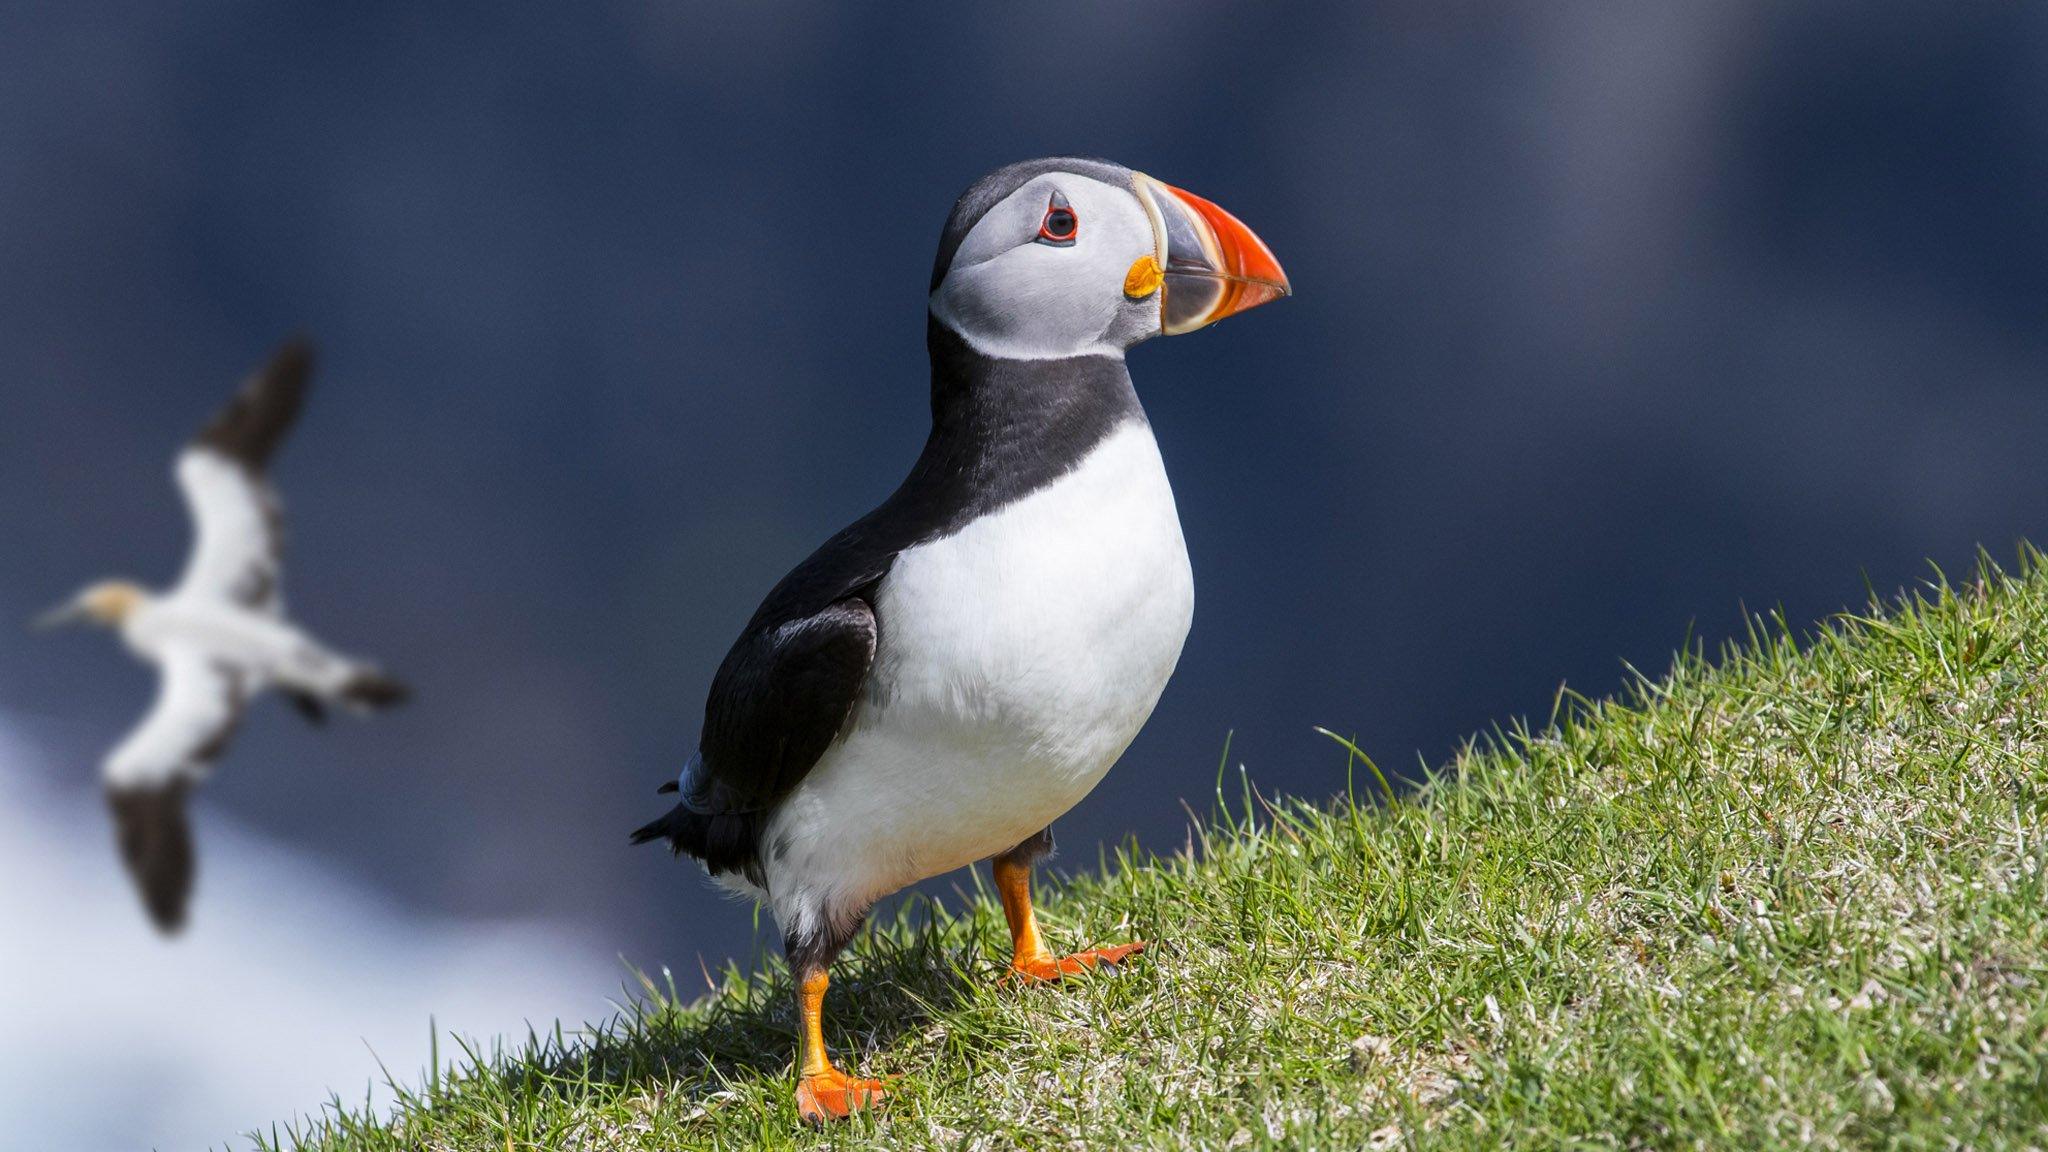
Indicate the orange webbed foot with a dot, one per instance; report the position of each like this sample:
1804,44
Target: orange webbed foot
823,1097
1045,969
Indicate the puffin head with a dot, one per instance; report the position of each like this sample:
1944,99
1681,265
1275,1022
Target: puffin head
1062,257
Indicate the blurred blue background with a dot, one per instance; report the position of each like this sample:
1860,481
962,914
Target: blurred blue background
1610,320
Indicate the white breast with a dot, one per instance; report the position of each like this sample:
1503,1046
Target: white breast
1017,659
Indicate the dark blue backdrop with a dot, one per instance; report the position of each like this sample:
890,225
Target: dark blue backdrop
1610,319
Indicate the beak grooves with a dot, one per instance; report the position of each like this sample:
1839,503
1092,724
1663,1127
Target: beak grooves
1214,265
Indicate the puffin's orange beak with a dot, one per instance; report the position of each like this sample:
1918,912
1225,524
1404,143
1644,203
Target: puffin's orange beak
1209,265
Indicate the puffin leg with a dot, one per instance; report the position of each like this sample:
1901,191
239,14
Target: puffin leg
823,1092
1030,959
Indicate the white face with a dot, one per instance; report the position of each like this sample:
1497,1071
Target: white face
1016,289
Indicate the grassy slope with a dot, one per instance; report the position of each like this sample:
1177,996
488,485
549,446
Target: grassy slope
1794,896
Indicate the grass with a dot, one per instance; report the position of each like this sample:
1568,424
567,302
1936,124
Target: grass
1791,895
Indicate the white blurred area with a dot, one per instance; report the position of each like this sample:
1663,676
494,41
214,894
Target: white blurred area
291,982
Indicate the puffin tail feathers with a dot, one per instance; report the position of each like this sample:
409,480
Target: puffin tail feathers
663,829
708,825
723,841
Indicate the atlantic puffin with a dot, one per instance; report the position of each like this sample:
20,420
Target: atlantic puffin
217,639
944,678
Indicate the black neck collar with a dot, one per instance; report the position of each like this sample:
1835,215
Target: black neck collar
1001,429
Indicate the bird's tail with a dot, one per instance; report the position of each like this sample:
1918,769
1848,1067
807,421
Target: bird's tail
373,691
723,841
156,845
669,827
675,825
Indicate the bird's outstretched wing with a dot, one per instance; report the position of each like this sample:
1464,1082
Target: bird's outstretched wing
198,704
234,511
252,426
156,845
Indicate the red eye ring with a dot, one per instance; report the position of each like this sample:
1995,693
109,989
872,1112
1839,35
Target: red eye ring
1061,223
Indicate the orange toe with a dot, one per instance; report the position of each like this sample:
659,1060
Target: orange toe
1045,969
831,1095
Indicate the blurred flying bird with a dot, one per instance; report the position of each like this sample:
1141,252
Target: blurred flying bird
217,639
944,678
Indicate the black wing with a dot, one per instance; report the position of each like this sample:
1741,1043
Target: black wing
779,700
239,529
156,845
249,430
782,696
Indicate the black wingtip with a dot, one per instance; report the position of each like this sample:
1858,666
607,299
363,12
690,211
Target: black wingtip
665,789
155,839
169,922
291,363
254,423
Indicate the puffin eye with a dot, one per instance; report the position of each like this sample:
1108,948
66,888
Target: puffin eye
1060,225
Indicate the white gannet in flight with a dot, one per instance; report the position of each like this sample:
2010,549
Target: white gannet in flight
217,639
